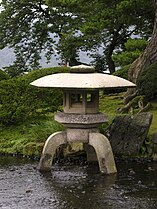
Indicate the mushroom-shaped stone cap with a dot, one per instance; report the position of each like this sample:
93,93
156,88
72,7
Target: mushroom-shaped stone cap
82,81
82,77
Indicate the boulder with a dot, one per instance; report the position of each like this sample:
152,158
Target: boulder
154,146
127,133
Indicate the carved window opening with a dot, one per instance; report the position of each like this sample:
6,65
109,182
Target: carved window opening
76,98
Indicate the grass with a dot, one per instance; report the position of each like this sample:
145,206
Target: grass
28,138
110,104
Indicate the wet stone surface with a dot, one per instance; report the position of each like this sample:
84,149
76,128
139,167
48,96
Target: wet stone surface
70,186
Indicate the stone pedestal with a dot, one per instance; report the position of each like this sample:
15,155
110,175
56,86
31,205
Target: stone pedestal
80,128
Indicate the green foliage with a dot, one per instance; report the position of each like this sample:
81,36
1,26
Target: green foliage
122,72
136,44
30,28
153,110
35,74
3,75
126,58
28,138
133,48
14,71
146,81
68,47
108,25
110,104
99,62
19,100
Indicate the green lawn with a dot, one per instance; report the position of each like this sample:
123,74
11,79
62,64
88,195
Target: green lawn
28,138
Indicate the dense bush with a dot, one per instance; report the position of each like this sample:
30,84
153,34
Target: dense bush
133,48
122,72
3,75
35,74
19,100
147,81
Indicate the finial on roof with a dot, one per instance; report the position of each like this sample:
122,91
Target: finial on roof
82,69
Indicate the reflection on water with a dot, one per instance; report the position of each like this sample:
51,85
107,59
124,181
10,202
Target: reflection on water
22,186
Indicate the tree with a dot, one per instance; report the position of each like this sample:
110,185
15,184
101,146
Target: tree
31,27
149,56
143,61
133,48
34,26
108,24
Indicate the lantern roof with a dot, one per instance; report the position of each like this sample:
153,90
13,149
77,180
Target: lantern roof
79,79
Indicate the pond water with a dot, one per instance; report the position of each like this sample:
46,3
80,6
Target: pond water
22,186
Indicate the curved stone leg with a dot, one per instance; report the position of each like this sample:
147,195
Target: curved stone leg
51,144
104,152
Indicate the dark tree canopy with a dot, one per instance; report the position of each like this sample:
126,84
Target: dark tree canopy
31,27
67,26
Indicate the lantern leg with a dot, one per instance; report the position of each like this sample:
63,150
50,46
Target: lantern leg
49,150
104,153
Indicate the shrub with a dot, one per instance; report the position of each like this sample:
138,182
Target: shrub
147,81
3,75
133,48
123,72
35,74
19,100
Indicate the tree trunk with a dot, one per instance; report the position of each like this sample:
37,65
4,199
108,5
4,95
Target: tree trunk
110,62
111,47
149,56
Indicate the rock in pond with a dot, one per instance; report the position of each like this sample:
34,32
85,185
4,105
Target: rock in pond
127,133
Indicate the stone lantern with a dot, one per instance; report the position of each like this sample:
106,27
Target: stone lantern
81,116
